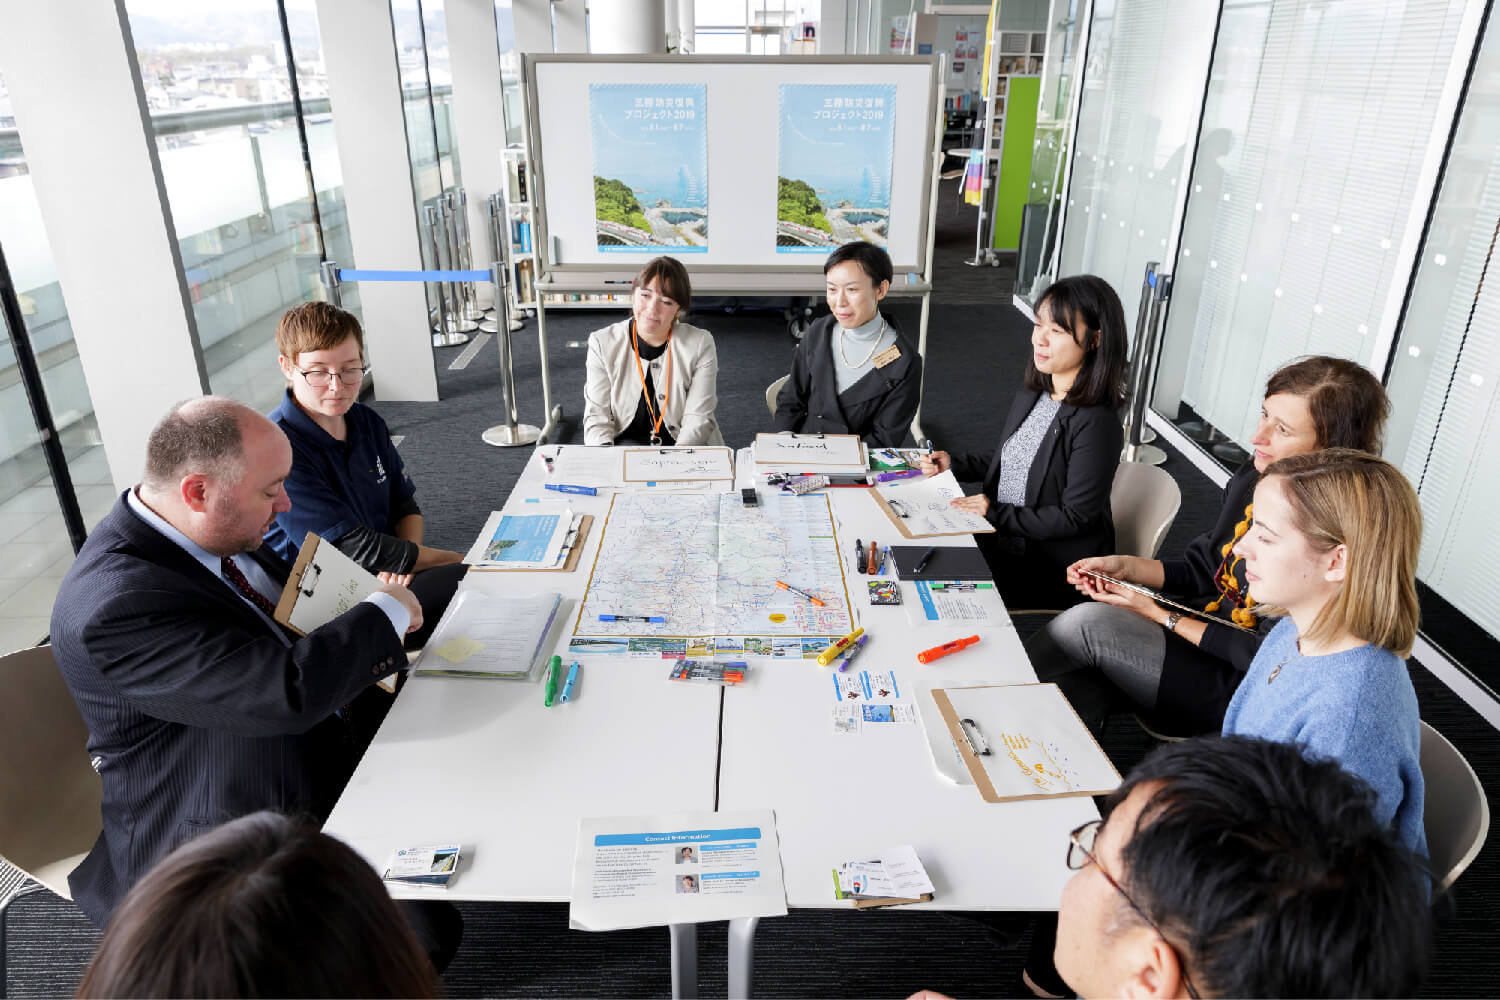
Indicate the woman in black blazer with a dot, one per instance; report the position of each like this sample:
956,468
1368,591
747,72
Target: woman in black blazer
1046,486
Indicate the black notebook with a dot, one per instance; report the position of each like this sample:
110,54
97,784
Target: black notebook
948,562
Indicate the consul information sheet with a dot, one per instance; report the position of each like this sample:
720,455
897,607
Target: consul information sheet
676,868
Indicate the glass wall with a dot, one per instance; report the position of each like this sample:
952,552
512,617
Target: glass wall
1316,123
1138,110
235,174
1445,374
35,550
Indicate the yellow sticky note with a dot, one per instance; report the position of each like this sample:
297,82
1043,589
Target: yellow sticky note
458,650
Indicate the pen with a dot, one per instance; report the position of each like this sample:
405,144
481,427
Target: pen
928,445
650,619
801,593
886,477
567,691
828,655
928,655
885,560
960,586
548,460
553,665
923,561
870,559
853,651
859,551
587,491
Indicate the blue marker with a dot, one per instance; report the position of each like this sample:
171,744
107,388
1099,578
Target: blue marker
650,619
587,491
567,691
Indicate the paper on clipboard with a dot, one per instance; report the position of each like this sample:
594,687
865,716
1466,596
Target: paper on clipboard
677,464
585,465
810,452
919,508
1024,741
324,583
524,541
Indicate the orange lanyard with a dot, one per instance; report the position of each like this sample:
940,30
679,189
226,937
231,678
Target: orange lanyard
651,411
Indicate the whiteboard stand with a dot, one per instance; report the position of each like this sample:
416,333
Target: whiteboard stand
742,99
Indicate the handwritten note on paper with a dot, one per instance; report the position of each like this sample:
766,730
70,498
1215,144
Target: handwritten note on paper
673,464
819,451
924,506
330,584
1037,746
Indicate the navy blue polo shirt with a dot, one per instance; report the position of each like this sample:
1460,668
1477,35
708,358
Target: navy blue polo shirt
337,486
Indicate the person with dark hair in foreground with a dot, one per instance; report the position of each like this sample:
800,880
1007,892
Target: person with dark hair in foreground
854,372
1236,867
261,907
1047,484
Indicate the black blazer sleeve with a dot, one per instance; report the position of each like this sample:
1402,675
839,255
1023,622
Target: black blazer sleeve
892,424
971,466
791,401
1091,441
178,661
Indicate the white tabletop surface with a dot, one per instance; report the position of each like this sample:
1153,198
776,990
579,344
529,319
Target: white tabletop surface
484,763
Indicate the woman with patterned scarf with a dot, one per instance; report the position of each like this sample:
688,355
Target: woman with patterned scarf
1124,650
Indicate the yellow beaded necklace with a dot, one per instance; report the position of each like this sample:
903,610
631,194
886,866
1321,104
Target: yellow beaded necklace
1228,584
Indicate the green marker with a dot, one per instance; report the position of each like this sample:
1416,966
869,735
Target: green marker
960,586
553,666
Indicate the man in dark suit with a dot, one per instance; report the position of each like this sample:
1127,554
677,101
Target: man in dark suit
200,707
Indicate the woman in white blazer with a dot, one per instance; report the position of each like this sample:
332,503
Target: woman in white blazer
653,379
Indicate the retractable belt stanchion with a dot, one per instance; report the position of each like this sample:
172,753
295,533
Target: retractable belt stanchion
457,328
500,237
470,291
509,434
1154,291
330,272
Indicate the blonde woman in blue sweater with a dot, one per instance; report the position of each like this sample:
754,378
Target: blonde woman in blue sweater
1334,544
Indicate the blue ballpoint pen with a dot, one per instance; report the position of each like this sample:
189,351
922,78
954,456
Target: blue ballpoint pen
587,491
567,691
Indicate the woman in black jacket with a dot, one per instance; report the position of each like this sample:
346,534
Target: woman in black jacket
1125,650
1046,486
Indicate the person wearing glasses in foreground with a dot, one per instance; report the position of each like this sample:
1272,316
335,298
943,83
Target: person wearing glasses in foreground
1238,867
1334,546
348,483
653,379
1122,649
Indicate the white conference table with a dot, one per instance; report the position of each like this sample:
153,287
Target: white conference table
484,763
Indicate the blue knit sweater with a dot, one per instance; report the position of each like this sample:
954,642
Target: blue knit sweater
1357,707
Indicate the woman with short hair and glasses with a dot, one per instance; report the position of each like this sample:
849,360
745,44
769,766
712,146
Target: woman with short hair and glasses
348,484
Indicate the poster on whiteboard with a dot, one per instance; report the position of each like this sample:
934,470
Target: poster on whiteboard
834,172
650,167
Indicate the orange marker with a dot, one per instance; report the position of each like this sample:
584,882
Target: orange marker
800,593
928,655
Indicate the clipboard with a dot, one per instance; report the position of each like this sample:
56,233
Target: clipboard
902,519
858,462
574,546
710,453
324,583
986,745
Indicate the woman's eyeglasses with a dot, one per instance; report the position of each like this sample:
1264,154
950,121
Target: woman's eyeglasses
1081,855
320,378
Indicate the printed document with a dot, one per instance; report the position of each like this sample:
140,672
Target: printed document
676,868
524,541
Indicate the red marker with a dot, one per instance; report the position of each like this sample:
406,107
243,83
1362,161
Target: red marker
928,655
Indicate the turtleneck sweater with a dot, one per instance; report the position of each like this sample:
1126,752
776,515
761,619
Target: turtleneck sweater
859,343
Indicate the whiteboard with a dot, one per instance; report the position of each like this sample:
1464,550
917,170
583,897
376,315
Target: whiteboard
742,122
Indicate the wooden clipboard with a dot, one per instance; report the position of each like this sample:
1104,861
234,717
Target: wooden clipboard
975,763
861,463
626,477
901,522
575,549
323,583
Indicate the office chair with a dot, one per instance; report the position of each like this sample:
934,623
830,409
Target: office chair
772,391
1455,811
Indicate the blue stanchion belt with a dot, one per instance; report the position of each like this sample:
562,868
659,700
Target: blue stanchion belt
349,274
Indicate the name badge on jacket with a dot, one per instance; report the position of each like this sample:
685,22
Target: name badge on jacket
886,356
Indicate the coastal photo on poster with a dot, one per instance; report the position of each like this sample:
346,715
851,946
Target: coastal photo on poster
834,174
650,167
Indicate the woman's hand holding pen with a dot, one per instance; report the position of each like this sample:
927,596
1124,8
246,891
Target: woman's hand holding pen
934,462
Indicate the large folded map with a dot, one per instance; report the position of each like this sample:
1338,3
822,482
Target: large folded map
709,565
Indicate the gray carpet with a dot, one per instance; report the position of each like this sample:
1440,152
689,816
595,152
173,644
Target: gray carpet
527,950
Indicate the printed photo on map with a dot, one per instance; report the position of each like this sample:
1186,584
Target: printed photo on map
834,173
650,167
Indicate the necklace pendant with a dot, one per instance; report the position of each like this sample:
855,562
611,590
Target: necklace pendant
1275,671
